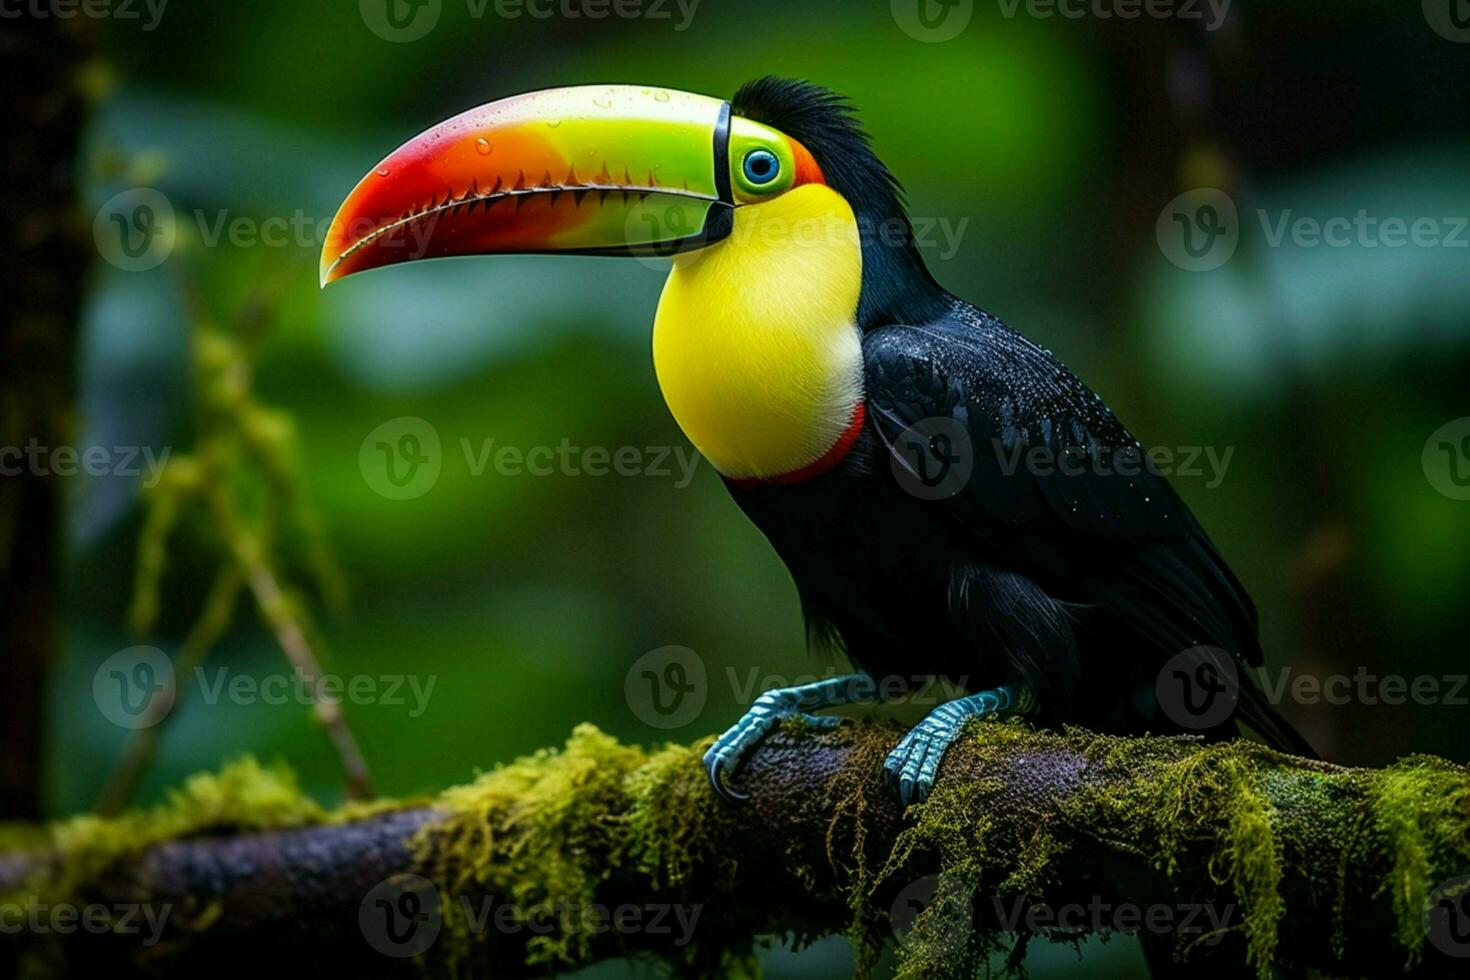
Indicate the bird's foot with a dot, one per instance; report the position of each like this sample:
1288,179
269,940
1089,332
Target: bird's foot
731,748
914,762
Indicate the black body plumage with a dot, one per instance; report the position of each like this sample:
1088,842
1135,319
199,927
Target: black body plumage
1081,583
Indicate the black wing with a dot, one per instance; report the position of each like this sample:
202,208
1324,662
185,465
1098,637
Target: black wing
1058,489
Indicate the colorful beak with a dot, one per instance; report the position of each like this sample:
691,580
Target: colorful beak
602,170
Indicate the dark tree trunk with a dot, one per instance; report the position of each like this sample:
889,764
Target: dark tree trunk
41,282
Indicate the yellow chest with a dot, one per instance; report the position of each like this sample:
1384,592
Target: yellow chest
755,345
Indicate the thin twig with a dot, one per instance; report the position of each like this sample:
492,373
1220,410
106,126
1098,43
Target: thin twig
277,611
213,621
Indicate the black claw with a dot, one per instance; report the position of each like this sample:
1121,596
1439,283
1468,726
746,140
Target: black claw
722,789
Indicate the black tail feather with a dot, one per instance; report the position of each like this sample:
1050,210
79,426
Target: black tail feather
1262,717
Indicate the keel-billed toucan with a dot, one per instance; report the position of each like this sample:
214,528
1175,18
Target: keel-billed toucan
880,431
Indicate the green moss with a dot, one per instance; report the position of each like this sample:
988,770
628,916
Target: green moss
551,828
1421,805
242,796
1180,805
529,830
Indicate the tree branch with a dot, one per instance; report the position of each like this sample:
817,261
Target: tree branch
603,850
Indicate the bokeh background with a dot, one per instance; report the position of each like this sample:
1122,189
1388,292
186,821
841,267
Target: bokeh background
1042,152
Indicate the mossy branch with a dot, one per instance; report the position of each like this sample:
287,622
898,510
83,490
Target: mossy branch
605,850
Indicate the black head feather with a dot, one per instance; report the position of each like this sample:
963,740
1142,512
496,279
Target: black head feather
897,287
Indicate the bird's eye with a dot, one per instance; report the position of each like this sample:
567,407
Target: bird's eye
761,166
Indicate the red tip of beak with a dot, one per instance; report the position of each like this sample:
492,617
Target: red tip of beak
414,203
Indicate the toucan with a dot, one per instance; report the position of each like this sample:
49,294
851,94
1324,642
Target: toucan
945,493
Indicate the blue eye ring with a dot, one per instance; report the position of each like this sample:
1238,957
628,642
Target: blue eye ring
760,167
